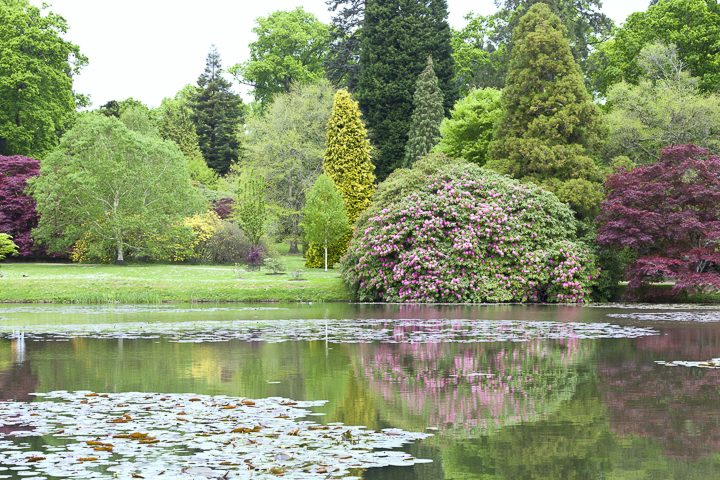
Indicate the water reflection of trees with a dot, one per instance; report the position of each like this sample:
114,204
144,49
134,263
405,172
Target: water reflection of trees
677,407
16,378
472,387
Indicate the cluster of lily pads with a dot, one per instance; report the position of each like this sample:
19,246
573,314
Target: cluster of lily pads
714,363
336,331
699,316
152,435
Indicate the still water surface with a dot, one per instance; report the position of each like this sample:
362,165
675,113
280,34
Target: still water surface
542,408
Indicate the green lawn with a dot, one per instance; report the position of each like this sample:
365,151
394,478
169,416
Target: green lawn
72,283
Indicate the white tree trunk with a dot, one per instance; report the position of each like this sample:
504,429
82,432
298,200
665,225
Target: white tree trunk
326,249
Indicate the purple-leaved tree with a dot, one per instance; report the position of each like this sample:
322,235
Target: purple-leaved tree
17,209
668,215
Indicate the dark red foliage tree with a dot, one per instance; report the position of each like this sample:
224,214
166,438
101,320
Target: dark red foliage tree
668,215
224,207
17,209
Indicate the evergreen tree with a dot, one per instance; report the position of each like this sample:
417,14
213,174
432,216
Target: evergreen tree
324,219
217,111
342,63
428,113
348,163
550,125
397,37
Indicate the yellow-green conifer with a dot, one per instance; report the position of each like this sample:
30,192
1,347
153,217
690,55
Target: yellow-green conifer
348,163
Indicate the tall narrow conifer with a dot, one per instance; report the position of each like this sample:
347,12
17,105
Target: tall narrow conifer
428,113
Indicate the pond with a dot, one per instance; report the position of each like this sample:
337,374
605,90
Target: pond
481,392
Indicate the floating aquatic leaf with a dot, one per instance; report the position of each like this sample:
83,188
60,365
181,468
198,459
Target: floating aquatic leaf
699,316
714,363
258,439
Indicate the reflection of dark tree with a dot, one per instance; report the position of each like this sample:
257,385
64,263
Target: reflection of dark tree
17,380
677,407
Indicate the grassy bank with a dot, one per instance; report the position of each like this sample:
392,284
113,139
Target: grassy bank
93,284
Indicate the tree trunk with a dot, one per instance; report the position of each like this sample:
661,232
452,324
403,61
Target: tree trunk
294,249
120,254
326,248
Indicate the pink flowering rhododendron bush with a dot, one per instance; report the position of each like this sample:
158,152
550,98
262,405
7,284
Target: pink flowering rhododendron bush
470,235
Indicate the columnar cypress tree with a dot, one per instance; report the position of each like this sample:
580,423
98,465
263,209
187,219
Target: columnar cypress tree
348,163
550,125
217,111
428,113
397,37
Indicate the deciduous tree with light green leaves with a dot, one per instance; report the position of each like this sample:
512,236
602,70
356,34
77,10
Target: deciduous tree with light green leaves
290,48
116,191
250,205
37,65
286,144
7,246
470,129
666,107
347,161
428,113
324,219
550,126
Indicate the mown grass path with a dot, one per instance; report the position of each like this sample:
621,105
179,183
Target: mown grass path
92,284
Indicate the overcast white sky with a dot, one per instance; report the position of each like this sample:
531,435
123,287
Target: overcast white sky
149,49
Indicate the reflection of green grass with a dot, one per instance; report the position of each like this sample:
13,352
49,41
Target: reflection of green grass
70,283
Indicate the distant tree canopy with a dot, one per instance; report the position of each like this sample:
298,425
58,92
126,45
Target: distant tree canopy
692,25
550,126
397,37
665,108
342,63
286,144
112,192
290,48
482,48
217,114
37,65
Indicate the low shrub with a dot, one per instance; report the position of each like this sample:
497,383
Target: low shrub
469,235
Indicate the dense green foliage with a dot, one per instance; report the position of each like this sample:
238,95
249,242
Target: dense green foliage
250,206
482,48
109,191
428,113
324,219
7,246
661,110
174,122
342,62
290,48
470,129
217,113
470,235
37,65
692,25
286,145
397,37
550,124
347,162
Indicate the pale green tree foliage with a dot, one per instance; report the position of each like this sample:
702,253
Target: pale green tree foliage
324,219
37,66
7,246
112,190
250,205
290,48
469,130
286,145
428,113
174,121
666,107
